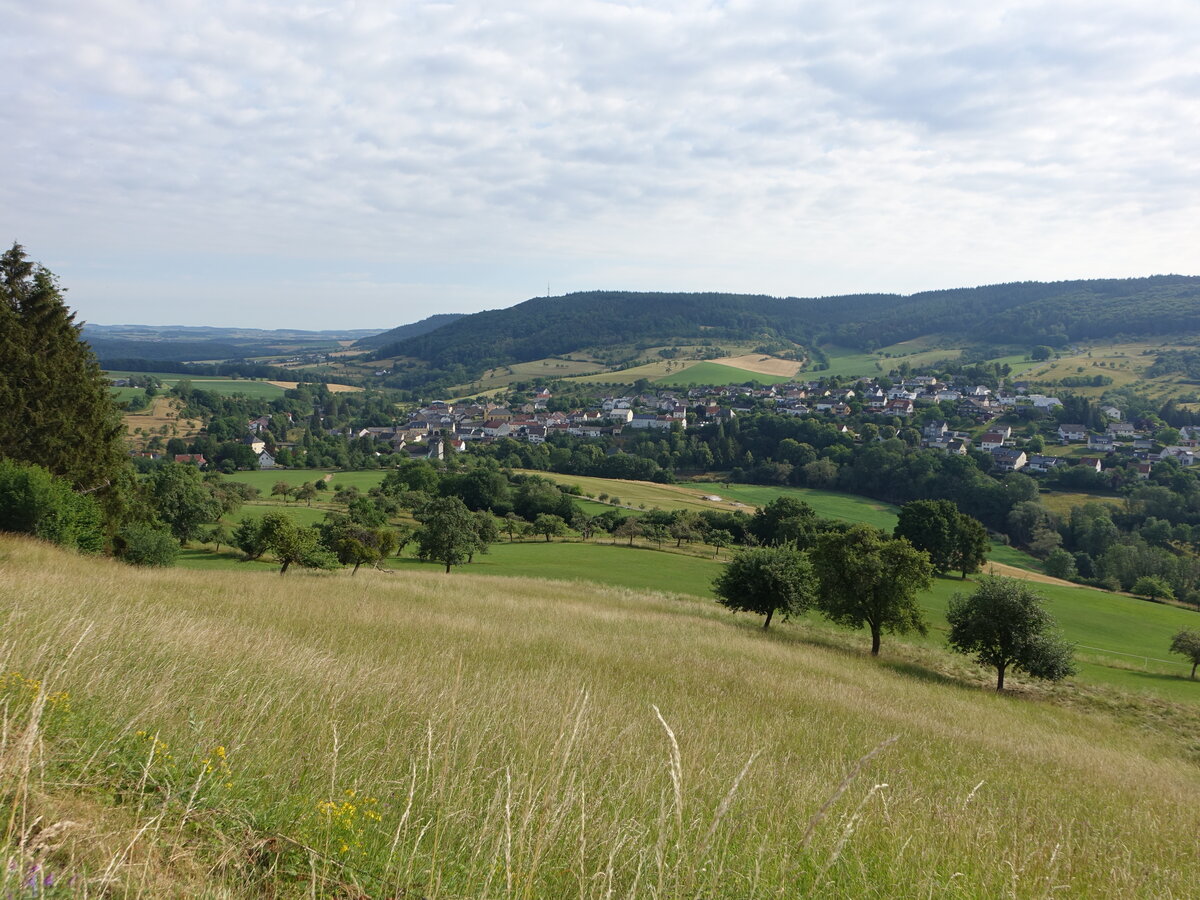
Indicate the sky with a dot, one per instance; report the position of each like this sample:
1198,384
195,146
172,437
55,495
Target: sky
366,164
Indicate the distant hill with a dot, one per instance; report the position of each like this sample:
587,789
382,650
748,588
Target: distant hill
1027,313
186,343
416,329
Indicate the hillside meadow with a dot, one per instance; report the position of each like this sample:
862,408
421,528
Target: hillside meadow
224,734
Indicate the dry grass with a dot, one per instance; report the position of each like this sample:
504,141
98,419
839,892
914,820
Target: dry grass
162,413
763,365
434,736
333,388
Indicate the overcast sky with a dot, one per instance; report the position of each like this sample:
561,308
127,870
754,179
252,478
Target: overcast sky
324,165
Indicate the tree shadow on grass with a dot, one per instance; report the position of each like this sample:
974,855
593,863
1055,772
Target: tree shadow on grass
921,673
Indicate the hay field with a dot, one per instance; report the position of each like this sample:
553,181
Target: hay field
160,418
763,365
239,735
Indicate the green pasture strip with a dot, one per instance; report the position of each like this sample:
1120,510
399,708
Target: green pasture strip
600,561
254,389
711,373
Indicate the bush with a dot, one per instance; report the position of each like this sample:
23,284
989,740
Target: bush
32,501
145,545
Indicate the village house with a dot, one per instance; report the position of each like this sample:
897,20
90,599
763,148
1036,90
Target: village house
1008,460
1072,432
1183,455
1040,464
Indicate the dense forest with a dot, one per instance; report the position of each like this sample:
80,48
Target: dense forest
1033,313
404,332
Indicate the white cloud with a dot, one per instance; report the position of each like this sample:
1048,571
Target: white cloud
460,153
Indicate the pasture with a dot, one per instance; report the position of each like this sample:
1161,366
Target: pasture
715,373
254,388
230,734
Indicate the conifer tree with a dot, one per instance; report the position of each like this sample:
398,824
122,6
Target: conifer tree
59,411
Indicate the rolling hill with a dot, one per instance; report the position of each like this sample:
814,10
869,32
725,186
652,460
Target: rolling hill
1022,314
404,332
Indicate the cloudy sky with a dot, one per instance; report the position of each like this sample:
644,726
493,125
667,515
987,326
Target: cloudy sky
365,164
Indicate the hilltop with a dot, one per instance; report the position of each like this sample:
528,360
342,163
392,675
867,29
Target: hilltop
588,325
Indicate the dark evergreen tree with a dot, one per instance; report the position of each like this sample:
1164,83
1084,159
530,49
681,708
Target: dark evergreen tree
59,411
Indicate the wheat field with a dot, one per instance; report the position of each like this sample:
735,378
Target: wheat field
172,733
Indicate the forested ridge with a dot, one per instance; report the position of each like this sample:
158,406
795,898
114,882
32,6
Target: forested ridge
1021,312
416,329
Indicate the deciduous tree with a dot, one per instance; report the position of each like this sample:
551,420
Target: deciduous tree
1187,643
181,500
447,533
868,579
766,581
1005,626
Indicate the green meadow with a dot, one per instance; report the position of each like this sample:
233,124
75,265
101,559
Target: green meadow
223,734
601,561
718,374
248,387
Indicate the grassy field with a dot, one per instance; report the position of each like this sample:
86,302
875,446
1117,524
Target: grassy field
265,479
1062,502
844,362
233,734
1124,362
716,374
504,376
160,418
228,386
828,504
652,371
600,561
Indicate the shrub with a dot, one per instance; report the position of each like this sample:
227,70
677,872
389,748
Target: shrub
144,545
32,501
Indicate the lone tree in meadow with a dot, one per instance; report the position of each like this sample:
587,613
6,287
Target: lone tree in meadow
448,532
291,543
549,525
868,579
355,544
1187,643
1153,587
765,581
1005,626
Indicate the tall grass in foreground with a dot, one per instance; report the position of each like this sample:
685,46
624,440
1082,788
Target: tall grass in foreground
168,733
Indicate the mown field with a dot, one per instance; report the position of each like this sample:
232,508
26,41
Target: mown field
253,388
1123,640
715,373
232,734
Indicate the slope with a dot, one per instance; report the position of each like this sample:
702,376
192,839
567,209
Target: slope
1023,314
225,734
